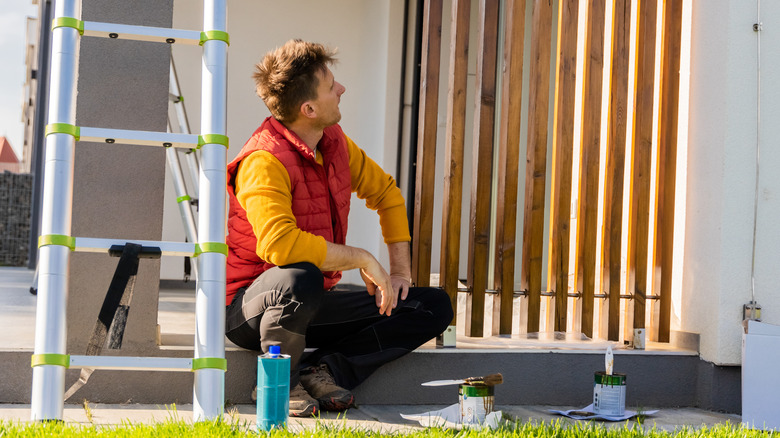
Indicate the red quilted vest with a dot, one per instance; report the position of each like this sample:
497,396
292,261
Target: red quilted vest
320,197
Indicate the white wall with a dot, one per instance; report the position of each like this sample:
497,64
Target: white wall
722,174
368,35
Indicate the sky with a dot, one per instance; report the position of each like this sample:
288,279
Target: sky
13,30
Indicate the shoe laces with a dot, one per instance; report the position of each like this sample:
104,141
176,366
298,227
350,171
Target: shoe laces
321,374
298,390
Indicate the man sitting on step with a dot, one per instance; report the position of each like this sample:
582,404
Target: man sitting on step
290,189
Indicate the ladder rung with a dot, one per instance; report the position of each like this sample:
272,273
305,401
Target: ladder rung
91,244
145,138
131,363
141,33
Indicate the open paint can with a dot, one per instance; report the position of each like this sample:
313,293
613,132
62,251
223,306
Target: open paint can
476,401
609,393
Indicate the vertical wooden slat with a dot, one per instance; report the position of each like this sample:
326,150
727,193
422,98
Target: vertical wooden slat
563,148
453,155
426,152
667,157
641,159
588,199
536,159
508,163
482,175
616,156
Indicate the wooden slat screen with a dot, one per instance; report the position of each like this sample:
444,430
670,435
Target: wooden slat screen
482,164
453,153
616,160
641,156
587,225
536,160
609,284
426,149
508,162
667,158
563,148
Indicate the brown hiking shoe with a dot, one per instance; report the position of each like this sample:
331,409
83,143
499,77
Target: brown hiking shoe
319,383
301,403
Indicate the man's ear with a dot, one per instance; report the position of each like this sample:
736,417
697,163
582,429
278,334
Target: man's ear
307,110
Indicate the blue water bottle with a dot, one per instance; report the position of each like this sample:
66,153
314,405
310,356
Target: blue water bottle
273,389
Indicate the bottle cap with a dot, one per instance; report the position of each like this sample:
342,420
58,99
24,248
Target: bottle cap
275,350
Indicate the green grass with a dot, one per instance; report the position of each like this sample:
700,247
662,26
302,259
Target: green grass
178,428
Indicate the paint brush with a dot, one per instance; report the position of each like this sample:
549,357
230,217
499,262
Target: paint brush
489,380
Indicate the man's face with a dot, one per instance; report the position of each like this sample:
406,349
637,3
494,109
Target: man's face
328,97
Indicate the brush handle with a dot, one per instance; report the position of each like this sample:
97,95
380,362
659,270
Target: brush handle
489,380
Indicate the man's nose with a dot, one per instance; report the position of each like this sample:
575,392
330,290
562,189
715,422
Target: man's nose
341,88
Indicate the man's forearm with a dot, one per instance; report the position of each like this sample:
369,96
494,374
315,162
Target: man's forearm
400,259
344,257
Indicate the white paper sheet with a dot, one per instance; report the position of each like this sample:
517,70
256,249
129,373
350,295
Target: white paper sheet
449,417
587,413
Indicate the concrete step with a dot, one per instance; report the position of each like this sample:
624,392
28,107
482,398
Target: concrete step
536,377
538,369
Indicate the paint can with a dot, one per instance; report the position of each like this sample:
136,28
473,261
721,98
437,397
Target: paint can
609,393
476,401
639,339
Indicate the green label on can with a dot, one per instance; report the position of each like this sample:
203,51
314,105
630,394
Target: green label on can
476,390
615,379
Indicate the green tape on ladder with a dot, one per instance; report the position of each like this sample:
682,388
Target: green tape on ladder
218,35
63,128
57,239
219,247
68,22
218,363
62,360
212,139
183,198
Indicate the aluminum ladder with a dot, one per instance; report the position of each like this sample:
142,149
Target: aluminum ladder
50,359
183,198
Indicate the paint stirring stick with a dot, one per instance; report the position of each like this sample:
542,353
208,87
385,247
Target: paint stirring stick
609,360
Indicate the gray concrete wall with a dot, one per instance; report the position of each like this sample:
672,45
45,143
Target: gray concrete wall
118,189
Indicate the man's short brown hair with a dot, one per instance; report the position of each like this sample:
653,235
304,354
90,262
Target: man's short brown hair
286,77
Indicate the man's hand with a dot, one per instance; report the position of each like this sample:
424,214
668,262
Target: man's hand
375,277
343,257
401,285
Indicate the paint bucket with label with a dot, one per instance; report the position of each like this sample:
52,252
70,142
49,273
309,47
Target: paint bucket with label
476,401
609,393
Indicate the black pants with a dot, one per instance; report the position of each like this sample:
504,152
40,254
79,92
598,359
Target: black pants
287,306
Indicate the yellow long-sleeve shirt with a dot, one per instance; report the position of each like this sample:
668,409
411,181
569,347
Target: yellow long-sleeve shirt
263,189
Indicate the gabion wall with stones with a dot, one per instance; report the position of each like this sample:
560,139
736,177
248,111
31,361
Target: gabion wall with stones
15,202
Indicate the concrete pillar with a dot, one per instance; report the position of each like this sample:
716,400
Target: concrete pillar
118,190
722,153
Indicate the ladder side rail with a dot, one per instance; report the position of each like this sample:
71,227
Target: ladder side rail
193,163
209,388
184,126
48,385
182,198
